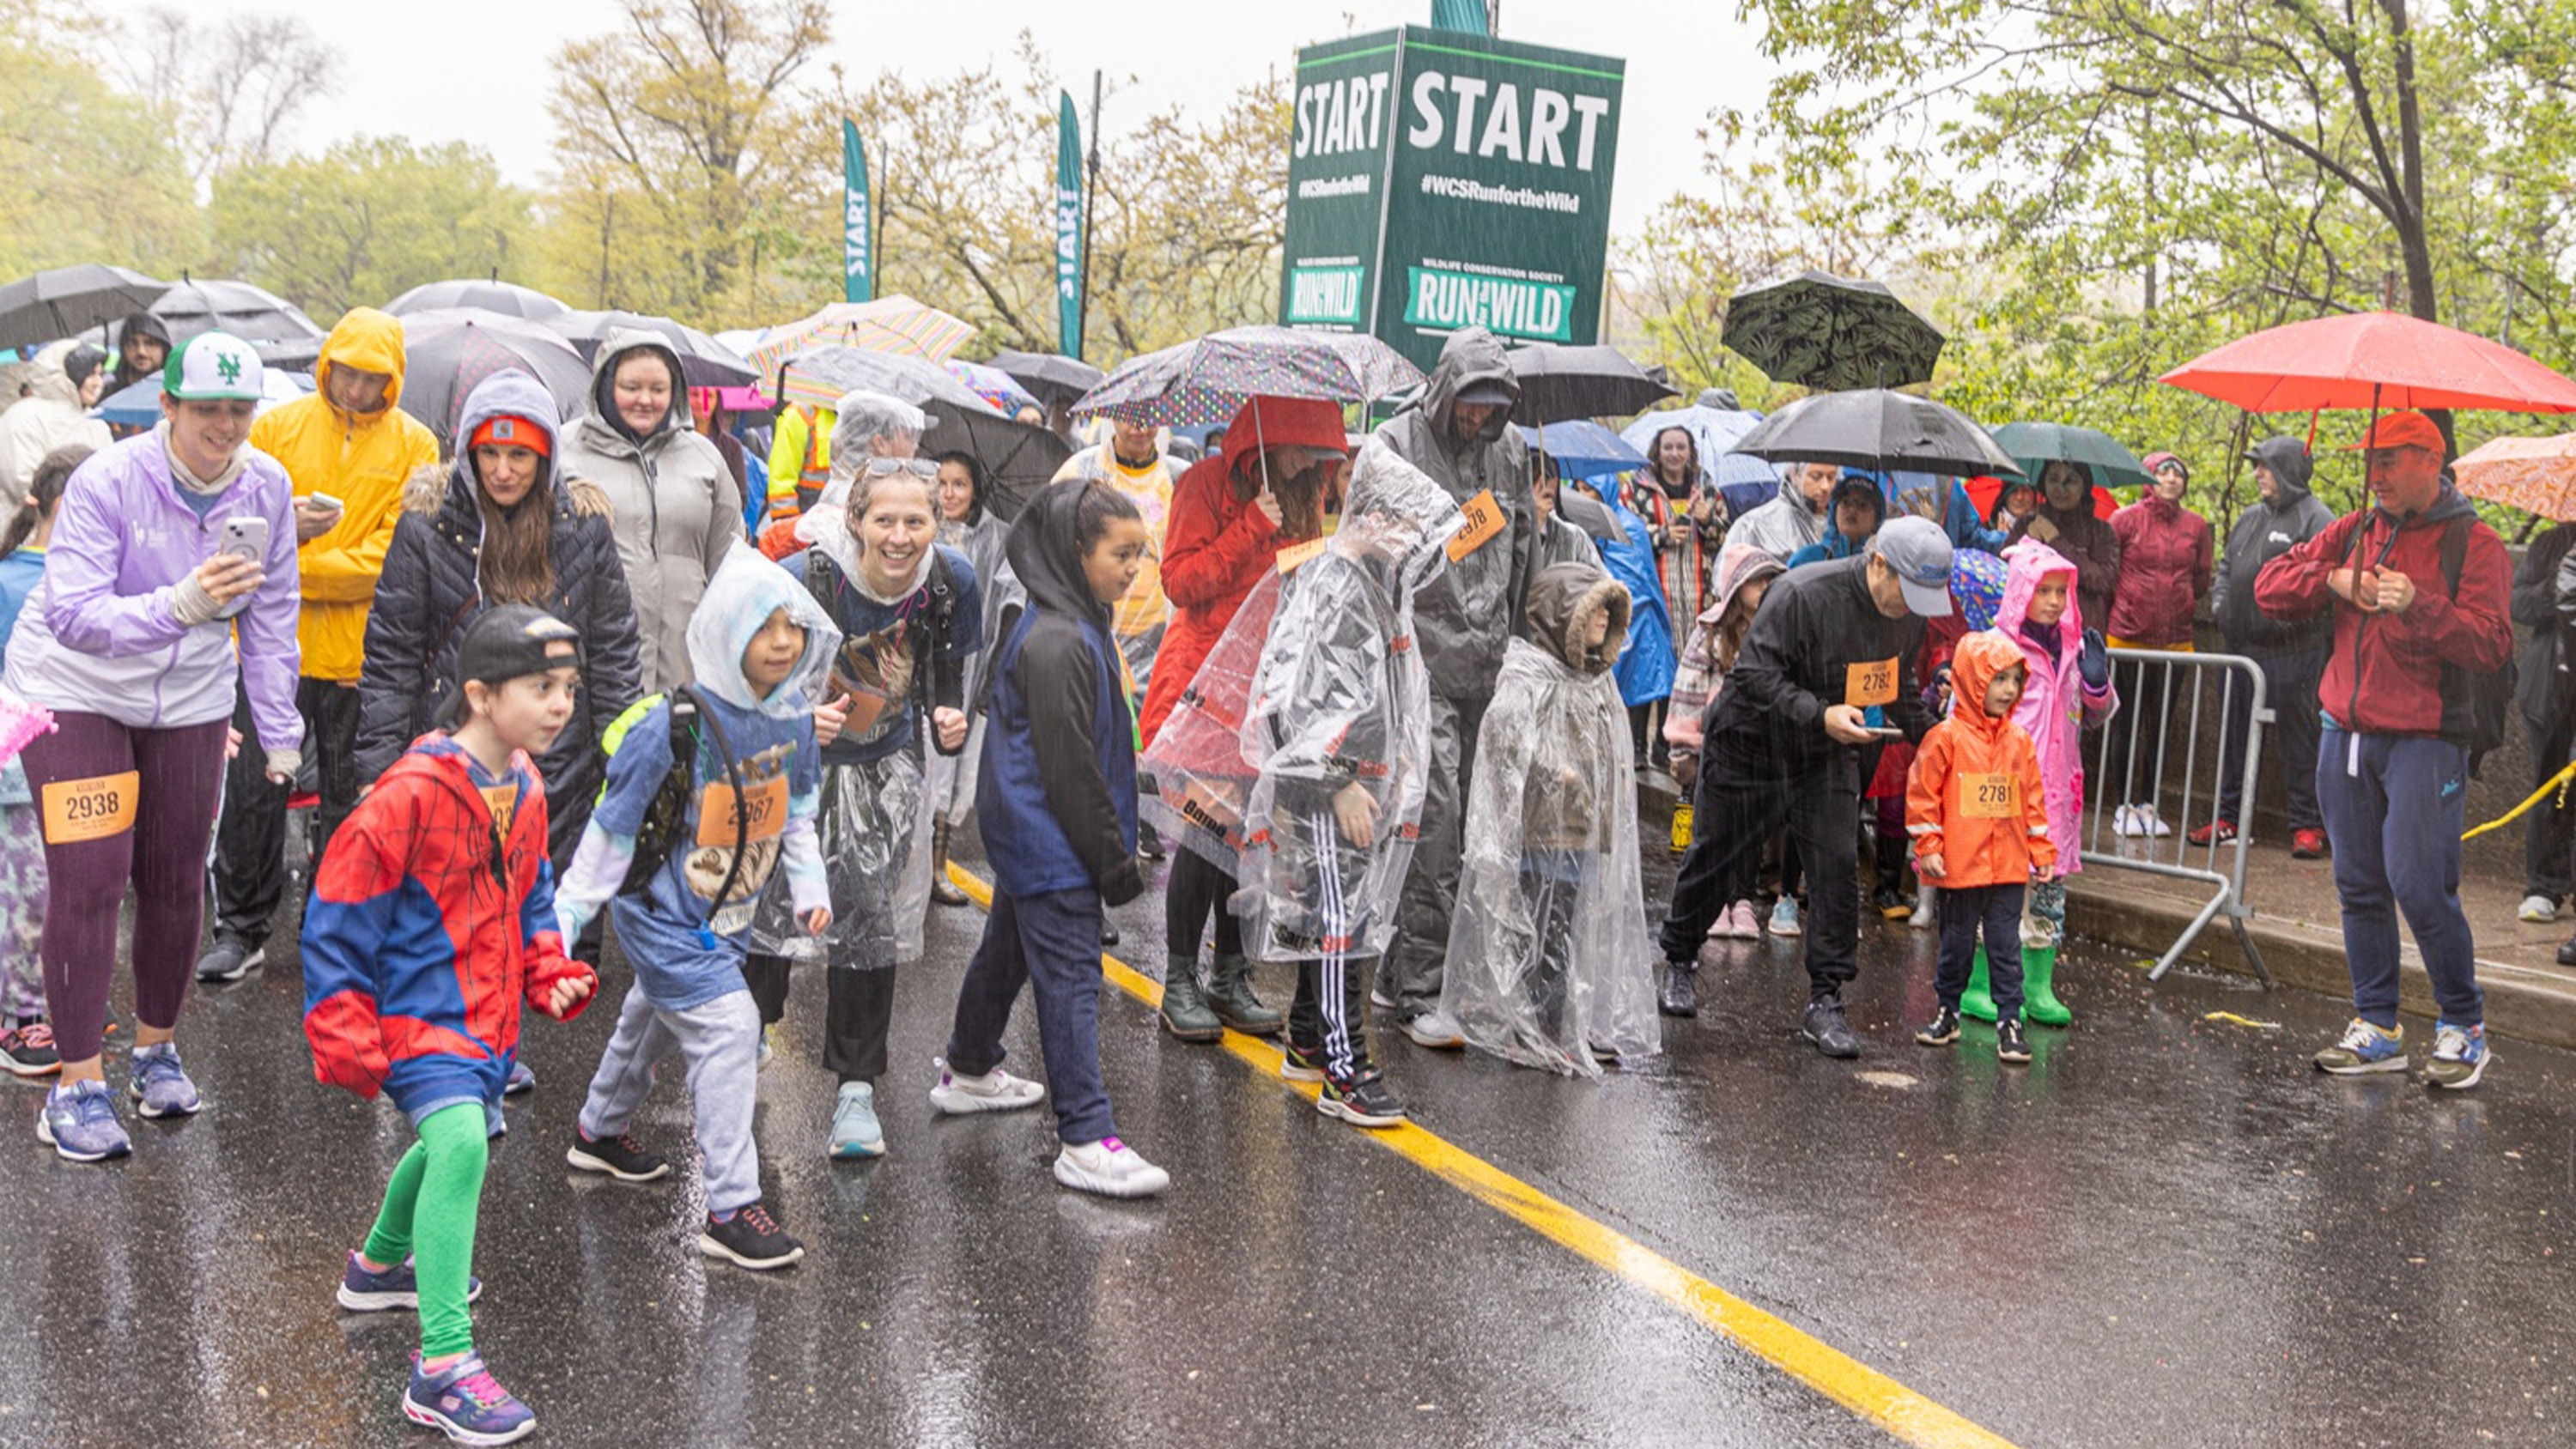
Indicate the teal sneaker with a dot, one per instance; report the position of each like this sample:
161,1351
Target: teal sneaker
2459,1056
855,1132
2365,1048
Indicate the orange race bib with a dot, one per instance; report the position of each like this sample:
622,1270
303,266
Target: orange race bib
1485,518
93,809
1872,681
501,800
1295,554
1992,795
761,812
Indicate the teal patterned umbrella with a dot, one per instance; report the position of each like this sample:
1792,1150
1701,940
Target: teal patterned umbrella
1831,333
1204,383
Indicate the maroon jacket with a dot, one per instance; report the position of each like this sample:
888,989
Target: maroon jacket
2168,558
2385,673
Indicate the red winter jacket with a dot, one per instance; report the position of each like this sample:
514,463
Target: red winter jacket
1216,546
2385,673
2167,561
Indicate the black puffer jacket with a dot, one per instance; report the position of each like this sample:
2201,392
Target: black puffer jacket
430,592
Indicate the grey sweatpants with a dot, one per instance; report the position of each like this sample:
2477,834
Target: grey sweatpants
1420,948
720,1041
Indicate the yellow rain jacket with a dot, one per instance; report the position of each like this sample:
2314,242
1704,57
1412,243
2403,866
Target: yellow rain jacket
362,460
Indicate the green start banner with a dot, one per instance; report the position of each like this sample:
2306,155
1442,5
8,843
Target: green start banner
1440,180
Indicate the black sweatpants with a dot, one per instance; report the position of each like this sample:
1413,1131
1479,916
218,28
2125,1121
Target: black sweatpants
858,1012
1996,910
250,834
1740,801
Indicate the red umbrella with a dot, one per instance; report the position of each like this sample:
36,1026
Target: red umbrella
2373,360
1985,489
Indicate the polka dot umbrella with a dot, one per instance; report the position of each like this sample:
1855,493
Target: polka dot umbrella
1205,382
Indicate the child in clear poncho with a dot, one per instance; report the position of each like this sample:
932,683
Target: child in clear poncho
1550,963
1321,670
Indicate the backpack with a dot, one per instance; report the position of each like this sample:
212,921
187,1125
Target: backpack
666,815
2483,699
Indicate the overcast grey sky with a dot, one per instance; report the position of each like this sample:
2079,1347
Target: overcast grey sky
476,70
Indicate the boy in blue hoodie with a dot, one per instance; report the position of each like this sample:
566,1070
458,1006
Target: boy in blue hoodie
1057,809
744,809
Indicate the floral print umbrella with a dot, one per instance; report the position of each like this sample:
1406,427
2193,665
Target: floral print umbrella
1831,333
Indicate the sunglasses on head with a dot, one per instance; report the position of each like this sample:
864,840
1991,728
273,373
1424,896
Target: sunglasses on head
888,467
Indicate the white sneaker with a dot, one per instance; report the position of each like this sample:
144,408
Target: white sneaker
2539,910
2139,822
1436,1030
1109,1168
1784,918
1379,999
996,1091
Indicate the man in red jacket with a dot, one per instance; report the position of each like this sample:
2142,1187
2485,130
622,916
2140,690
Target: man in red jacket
2420,590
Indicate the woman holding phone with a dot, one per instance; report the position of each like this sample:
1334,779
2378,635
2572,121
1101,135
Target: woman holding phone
164,546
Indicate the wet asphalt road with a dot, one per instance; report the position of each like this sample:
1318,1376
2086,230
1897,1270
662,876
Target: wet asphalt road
2164,1231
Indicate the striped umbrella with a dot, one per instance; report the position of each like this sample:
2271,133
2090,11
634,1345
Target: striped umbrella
898,325
993,385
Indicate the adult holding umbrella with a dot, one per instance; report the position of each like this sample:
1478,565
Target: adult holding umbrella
671,498
167,548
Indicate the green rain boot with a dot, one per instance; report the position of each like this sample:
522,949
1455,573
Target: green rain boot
1229,995
1979,1002
1185,1009
2038,1000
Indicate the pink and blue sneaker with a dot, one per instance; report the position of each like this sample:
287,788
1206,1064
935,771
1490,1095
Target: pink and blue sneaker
465,1403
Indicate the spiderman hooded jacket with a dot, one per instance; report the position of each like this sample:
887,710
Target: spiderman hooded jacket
433,919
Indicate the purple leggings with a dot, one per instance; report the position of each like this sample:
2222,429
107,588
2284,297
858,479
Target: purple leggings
164,855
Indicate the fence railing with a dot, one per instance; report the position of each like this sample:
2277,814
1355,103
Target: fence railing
2164,699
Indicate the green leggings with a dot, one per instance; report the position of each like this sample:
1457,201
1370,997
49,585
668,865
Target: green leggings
429,1212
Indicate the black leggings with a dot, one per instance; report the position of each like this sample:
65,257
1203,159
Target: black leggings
1196,891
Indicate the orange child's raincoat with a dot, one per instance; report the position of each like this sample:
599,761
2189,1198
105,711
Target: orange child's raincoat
1974,795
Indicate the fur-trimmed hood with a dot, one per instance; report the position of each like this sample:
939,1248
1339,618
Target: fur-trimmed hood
1563,601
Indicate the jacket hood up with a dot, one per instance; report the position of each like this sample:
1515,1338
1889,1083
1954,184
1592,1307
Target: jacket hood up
2288,459
365,340
510,393
744,591
2025,565
1045,552
621,345
48,374
1979,658
1563,601
1738,565
1271,422
143,324
1855,486
1472,356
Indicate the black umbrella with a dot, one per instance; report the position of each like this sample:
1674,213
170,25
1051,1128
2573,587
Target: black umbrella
1019,458
68,301
704,362
1055,381
1878,429
491,295
445,353
1830,333
253,314
1560,384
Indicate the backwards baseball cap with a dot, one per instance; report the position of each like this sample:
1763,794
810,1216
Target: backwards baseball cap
510,430
212,365
1920,553
510,642
2402,430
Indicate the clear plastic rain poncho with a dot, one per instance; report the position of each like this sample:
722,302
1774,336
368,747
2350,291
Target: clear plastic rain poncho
1294,760
1549,954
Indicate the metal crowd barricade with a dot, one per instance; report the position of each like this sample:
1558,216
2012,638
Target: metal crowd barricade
2166,734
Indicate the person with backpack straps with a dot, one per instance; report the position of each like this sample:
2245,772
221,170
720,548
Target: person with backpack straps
2416,688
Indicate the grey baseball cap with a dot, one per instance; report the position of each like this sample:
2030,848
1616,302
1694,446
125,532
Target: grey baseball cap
1920,553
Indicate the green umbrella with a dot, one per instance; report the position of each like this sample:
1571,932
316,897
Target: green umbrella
2035,445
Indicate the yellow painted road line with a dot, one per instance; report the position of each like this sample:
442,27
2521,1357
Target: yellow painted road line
1856,1386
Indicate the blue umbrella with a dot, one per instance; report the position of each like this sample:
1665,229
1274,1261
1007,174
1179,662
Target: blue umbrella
1746,483
1583,449
139,406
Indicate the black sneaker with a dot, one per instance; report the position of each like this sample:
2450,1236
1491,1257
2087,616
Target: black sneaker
1362,1101
1149,843
27,1050
1942,1029
1108,932
2009,1045
621,1157
1826,1029
1301,1063
1680,996
229,960
751,1238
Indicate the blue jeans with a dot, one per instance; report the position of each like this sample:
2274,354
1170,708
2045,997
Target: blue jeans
2394,809
1051,943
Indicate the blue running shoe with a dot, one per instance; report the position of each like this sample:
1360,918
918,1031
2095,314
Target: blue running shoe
80,1121
161,1085
2459,1056
396,1287
463,1402
2365,1048
855,1132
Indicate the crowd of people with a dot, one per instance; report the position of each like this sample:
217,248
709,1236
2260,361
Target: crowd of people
729,696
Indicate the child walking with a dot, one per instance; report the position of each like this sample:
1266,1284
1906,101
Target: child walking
1980,825
433,916
26,1040
1057,809
686,853
1550,961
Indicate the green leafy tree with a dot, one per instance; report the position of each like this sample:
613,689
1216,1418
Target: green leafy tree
91,173
368,219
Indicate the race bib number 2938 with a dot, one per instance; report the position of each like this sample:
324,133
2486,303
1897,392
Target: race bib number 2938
92,809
